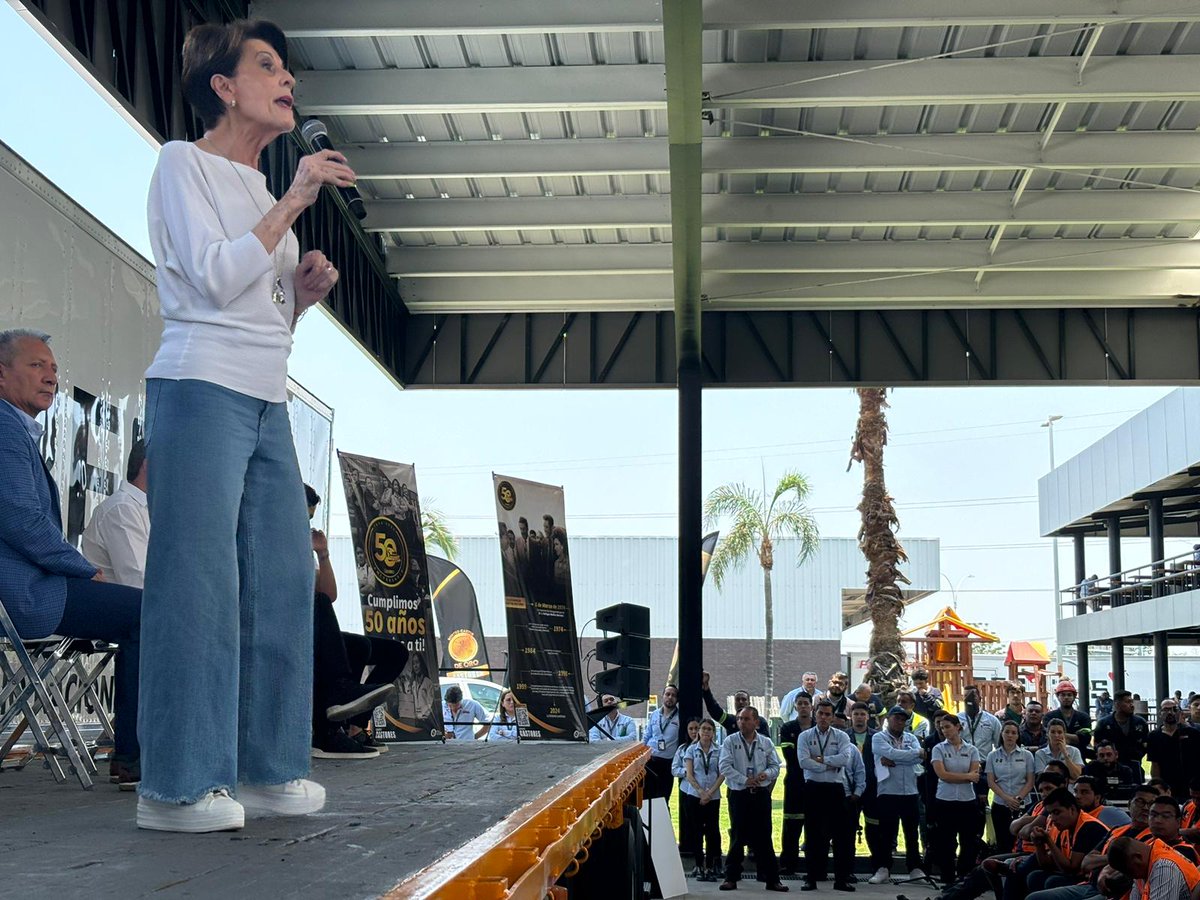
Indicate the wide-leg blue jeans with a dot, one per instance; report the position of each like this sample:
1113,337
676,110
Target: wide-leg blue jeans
226,650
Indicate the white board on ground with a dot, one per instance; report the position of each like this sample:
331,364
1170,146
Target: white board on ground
663,848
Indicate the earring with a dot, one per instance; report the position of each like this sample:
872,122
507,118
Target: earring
233,103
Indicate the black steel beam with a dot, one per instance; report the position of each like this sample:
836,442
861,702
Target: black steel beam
818,348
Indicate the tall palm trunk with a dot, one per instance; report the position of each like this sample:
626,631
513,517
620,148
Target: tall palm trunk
877,540
766,557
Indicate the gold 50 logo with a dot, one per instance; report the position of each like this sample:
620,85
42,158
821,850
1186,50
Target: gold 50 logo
387,552
507,495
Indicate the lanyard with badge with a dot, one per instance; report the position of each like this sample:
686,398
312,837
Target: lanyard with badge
749,748
821,745
706,758
662,728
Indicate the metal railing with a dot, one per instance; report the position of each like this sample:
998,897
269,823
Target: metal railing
1161,578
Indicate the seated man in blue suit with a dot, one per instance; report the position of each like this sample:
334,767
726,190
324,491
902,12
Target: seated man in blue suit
46,585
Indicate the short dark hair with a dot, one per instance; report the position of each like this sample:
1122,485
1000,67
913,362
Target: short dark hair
822,703
453,694
1061,796
311,496
137,456
1110,745
1120,854
1160,785
214,49
922,674
1146,789
1095,784
857,705
1122,695
1055,778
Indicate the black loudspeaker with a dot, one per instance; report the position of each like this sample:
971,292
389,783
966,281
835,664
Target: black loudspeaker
629,651
625,618
624,683
624,650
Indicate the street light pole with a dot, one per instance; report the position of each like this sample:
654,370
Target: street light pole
954,588
1049,426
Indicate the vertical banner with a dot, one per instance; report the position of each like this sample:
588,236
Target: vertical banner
393,582
708,547
543,645
460,633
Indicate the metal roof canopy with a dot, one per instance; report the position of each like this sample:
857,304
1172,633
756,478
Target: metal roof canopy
859,167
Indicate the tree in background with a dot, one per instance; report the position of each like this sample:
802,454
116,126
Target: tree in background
756,522
437,532
878,543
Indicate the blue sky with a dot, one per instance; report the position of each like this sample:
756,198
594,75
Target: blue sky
962,463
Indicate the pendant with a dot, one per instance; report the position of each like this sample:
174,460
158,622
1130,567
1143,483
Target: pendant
277,292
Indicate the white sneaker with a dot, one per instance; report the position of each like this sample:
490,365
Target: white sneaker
295,798
881,876
914,874
216,811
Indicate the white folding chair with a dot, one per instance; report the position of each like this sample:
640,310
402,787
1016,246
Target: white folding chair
32,687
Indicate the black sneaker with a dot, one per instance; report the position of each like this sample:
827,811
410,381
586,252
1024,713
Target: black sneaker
339,745
363,739
362,698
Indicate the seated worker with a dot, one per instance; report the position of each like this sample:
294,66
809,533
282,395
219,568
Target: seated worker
116,537
461,716
340,700
1118,779
1165,820
1062,844
46,585
615,725
1158,872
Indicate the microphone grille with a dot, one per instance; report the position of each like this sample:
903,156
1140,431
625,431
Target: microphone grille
312,128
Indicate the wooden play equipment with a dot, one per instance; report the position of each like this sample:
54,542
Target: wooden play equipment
943,648
1028,665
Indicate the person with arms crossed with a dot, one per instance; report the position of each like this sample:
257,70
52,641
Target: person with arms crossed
897,754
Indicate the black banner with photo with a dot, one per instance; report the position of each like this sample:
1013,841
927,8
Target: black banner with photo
543,645
460,632
393,582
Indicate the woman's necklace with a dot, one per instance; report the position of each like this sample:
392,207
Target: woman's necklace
277,294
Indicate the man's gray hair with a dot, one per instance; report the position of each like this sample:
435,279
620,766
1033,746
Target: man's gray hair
9,339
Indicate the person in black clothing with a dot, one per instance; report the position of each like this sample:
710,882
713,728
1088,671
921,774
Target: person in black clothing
861,732
729,720
1033,732
1077,721
793,785
1173,749
1127,732
1118,779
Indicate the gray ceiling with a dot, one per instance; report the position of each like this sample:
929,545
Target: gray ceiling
514,154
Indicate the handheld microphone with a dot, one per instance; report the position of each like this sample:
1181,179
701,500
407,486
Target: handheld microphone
315,132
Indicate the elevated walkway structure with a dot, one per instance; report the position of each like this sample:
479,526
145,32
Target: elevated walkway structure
1140,480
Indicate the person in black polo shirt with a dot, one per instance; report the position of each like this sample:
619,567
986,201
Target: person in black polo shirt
1173,749
1033,732
1118,779
1127,732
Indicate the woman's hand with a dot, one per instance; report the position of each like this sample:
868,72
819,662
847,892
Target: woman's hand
317,169
315,278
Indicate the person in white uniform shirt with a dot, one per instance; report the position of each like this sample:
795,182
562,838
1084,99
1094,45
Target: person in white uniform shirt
750,768
615,726
1058,748
504,726
461,716
824,752
898,752
115,539
662,737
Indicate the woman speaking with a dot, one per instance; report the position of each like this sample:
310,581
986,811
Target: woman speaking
227,611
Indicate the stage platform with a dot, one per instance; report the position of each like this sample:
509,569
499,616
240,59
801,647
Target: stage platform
386,819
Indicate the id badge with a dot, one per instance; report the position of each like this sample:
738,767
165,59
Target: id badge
749,771
662,745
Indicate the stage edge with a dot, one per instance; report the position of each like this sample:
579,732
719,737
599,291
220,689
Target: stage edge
522,857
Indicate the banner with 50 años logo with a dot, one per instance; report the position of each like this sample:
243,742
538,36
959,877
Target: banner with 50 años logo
543,645
393,582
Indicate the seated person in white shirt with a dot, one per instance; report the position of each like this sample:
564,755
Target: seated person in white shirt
615,726
461,716
115,539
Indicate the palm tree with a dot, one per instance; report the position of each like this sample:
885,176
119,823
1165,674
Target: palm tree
877,540
756,523
437,531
